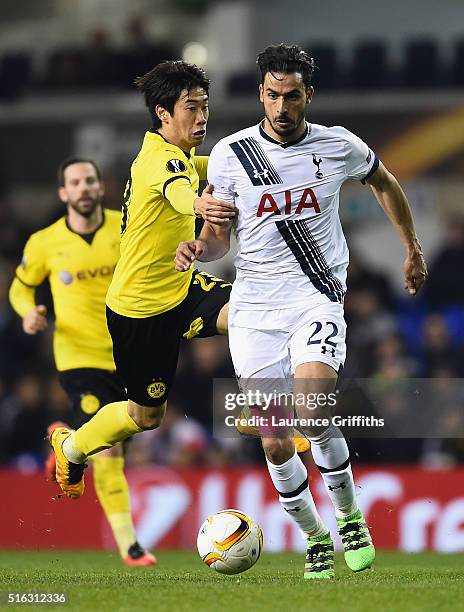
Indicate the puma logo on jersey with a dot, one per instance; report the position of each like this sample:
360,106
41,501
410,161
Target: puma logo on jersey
272,204
176,165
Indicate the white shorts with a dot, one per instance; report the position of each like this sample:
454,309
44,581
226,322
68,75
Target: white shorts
270,344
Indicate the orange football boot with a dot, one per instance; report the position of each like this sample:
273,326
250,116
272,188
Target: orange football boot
70,476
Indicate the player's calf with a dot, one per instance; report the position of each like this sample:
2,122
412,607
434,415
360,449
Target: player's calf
278,450
146,417
290,478
301,443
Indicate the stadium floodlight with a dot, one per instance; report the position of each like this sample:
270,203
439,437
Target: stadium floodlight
195,53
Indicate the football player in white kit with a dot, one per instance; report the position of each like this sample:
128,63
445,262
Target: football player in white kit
286,308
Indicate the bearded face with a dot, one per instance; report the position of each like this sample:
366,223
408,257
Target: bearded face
82,190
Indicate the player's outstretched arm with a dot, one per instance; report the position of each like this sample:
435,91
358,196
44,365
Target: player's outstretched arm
212,243
185,200
392,199
22,299
216,212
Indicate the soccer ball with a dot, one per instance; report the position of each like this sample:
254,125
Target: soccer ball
229,542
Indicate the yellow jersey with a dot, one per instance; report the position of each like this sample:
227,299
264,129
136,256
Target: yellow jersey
79,275
158,213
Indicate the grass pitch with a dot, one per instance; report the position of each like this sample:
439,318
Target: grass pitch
98,581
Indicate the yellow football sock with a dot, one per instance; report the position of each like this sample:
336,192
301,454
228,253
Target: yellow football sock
110,425
113,493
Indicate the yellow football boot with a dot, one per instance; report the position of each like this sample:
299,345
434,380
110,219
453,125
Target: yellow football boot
302,445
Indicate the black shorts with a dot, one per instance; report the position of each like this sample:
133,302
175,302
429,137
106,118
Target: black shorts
89,389
146,350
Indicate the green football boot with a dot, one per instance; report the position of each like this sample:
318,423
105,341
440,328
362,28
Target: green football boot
357,541
319,562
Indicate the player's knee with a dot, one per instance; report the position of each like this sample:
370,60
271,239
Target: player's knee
114,451
245,429
147,417
222,320
278,450
149,420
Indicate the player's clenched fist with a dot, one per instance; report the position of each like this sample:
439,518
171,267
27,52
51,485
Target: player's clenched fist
415,271
186,254
215,211
35,320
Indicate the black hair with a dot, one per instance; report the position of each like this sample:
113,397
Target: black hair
286,59
75,160
165,82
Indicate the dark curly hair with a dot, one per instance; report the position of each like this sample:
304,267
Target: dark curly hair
165,82
286,59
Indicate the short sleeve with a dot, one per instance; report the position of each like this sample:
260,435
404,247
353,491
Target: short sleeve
163,169
32,270
361,162
219,175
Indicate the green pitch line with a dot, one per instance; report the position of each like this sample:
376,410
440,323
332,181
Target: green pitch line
97,581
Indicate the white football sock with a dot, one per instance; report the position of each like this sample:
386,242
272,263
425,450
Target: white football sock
329,449
291,481
331,456
340,487
70,451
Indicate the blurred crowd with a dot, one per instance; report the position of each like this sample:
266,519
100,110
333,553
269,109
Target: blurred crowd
100,64
390,337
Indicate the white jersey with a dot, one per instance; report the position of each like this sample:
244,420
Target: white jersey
291,245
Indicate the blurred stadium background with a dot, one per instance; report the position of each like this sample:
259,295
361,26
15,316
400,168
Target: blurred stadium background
392,74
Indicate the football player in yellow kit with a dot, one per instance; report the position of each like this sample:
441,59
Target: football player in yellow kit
150,305
78,254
